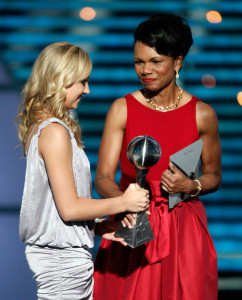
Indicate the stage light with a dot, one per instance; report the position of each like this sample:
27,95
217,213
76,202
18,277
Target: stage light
214,16
87,13
239,98
208,81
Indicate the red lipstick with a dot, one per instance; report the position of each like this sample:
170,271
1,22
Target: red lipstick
148,80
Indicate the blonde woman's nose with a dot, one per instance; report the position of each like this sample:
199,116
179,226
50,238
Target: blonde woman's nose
86,89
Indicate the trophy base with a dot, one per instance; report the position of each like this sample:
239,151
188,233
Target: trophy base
139,235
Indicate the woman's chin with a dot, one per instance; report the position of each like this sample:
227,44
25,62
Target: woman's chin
75,104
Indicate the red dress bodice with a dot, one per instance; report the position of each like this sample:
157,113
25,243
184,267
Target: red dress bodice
173,131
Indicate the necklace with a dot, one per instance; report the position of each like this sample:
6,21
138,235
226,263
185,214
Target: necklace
166,108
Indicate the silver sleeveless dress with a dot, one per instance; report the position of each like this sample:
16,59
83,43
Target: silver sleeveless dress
56,250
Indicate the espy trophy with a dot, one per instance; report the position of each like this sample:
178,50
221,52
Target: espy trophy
143,152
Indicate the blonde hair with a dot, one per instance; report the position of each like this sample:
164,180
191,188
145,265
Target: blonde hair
58,66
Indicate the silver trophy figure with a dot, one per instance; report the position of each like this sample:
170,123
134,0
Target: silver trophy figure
143,152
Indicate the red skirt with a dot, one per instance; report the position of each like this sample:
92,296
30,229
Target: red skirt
179,264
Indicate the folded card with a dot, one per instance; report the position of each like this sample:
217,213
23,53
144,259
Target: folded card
186,160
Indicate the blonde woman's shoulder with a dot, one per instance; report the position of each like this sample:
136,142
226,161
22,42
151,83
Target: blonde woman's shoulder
54,134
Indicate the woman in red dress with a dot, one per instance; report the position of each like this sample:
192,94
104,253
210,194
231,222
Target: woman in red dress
180,263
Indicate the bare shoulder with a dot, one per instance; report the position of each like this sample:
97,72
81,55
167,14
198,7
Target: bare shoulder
119,105
54,137
54,130
206,116
205,111
117,114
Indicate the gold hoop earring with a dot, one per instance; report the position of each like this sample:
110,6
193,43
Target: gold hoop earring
177,74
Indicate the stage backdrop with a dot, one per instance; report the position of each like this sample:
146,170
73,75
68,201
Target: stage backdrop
212,71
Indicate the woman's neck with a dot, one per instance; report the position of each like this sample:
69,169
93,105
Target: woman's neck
164,97
43,116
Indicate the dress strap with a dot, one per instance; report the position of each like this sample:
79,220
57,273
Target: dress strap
30,136
54,120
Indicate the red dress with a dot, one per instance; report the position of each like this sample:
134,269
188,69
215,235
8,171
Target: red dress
181,262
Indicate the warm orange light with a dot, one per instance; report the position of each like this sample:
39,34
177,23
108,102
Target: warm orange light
208,81
239,98
87,13
214,16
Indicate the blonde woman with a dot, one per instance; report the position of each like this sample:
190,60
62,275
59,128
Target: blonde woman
57,206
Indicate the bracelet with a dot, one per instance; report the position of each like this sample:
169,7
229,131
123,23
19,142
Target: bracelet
97,220
199,188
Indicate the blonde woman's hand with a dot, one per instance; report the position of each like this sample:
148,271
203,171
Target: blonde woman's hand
136,198
106,229
129,220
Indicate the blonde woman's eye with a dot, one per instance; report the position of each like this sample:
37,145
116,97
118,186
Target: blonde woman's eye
83,82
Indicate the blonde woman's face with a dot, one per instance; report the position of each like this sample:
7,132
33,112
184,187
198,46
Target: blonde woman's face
74,94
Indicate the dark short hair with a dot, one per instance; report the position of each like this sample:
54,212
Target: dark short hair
168,34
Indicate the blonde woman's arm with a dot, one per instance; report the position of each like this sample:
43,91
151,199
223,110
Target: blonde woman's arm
56,150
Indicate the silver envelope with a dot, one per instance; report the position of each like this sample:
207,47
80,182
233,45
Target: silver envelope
187,160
